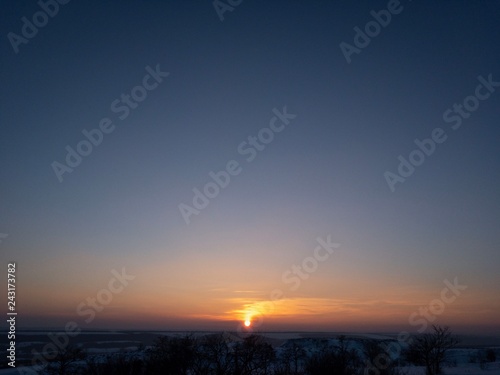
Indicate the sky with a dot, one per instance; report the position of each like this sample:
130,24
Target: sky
256,161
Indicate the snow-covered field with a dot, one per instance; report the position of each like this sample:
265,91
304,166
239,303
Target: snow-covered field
460,361
462,369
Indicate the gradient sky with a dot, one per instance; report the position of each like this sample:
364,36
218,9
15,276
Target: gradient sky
323,175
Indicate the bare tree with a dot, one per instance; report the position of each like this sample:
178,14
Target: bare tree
172,355
64,361
338,359
253,356
292,357
216,352
430,349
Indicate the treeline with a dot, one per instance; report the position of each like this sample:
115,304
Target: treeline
218,354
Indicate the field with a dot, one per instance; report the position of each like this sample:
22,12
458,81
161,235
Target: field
100,345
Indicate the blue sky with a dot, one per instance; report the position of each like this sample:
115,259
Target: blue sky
322,175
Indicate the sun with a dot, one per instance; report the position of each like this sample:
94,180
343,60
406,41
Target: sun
247,323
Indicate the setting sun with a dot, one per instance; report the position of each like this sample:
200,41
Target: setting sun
247,323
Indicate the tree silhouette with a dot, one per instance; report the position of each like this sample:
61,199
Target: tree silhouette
253,356
430,349
292,358
64,361
216,354
172,355
339,360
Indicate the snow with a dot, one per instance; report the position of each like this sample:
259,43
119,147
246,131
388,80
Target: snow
458,360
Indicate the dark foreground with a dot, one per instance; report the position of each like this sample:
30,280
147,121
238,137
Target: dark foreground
204,353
